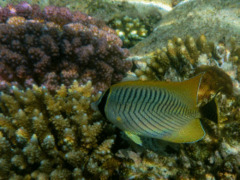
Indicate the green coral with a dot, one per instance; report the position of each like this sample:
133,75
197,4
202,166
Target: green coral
130,30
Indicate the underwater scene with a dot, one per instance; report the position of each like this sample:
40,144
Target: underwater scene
120,89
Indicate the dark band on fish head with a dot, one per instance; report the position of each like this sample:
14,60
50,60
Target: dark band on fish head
102,103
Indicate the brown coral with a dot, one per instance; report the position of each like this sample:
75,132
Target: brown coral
54,136
181,60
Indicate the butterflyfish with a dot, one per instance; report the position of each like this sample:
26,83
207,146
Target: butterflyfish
155,109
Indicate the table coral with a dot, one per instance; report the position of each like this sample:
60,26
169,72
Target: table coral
54,136
53,46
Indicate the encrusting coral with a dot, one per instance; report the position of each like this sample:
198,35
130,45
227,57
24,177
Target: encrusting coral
53,46
54,136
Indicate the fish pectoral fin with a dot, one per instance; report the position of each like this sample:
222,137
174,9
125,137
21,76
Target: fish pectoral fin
135,138
191,132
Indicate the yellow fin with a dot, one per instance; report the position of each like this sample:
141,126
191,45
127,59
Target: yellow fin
188,90
134,138
191,132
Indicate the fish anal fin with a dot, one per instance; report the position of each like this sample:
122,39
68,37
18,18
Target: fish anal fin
135,138
191,132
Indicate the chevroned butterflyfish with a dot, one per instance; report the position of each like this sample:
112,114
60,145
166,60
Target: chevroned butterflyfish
162,110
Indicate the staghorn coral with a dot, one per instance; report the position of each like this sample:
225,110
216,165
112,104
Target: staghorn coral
54,136
54,46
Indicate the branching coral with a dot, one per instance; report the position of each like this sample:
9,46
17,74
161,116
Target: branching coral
186,55
217,155
54,136
54,47
181,59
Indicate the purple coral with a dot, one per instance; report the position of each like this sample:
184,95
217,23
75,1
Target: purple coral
52,53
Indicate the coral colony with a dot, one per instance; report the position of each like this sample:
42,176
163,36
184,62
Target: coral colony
130,30
54,62
54,46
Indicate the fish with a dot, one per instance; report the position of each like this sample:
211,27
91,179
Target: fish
163,110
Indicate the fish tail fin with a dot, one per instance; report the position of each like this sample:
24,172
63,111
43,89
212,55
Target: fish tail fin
210,111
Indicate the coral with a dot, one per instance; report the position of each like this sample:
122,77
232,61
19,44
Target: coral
217,155
48,131
182,59
54,136
130,30
54,46
154,67
135,24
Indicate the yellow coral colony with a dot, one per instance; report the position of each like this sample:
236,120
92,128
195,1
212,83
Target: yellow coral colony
54,136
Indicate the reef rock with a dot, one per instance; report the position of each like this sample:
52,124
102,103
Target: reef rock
218,20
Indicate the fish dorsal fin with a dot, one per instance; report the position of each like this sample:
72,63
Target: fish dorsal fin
188,90
191,132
